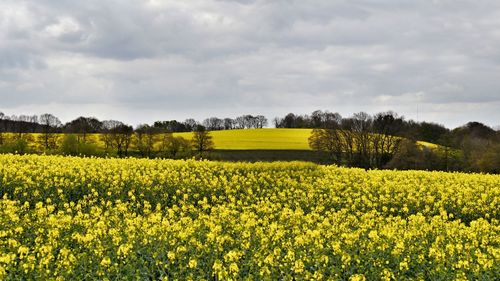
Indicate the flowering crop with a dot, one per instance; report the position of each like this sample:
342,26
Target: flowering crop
68,218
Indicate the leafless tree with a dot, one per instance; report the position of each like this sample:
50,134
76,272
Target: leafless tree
122,137
190,124
385,142
202,140
228,124
362,129
82,126
328,140
3,127
348,138
145,138
277,122
50,124
240,122
261,121
107,126
213,123
173,146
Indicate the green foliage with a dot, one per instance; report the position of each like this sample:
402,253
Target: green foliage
490,160
72,146
15,146
413,156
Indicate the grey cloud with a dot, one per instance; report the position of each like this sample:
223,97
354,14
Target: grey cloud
267,56
18,59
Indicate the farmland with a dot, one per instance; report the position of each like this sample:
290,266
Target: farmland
111,219
259,139
244,139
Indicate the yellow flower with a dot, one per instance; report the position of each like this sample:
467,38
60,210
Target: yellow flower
217,266
298,267
357,277
105,262
233,268
193,263
403,266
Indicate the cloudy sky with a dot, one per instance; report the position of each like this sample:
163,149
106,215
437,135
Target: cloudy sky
140,61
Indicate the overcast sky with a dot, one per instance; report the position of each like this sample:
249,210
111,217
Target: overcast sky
140,61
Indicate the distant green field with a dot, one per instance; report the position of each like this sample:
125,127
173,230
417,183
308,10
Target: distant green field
259,139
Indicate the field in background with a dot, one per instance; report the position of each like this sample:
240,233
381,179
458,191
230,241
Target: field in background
267,139
70,218
230,145
245,139
259,139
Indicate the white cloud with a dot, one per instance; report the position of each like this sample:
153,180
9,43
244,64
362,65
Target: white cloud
175,59
63,26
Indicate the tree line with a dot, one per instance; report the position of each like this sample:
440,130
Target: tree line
382,140
39,123
423,131
116,135
387,140
361,140
19,133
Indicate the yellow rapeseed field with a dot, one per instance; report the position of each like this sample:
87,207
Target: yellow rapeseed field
69,218
259,139
240,139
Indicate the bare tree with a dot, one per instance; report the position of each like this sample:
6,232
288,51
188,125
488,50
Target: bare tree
331,120
228,124
173,146
290,121
277,122
50,124
145,138
250,121
33,119
19,125
385,139
122,137
3,127
190,124
261,121
318,119
349,142
362,129
328,140
109,130
213,123
240,122
202,140
82,126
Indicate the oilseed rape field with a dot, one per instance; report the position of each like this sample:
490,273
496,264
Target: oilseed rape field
259,139
70,218
238,139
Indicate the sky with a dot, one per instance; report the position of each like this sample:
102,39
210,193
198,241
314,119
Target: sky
139,61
